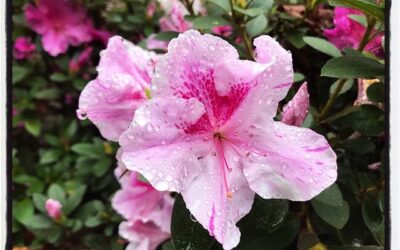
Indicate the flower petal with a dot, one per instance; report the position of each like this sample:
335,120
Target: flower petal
295,112
279,74
156,145
110,100
142,236
207,197
287,162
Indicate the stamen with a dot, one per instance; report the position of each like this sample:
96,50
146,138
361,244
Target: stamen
224,163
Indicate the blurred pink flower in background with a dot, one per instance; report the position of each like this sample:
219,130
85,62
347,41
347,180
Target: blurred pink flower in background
348,33
209,133
173,19
153,43
295,111
223,30
23,48
151,9
75,64
147,211
61,23
53,208
124,74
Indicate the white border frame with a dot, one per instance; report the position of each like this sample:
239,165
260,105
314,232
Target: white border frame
395,124
3,126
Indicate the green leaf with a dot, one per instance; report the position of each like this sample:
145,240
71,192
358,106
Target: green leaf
332,196
58,77
353,67
56,192
71,129
268,214
87,149
187,234
92,222
223,4
101,167
74,199
361,19
346,86
265,5
50,156
23,211
322,45
39,221
19,73
279,239
251,12
368,8
295,37
256,25
335,216
166,35
368,120
46,94
39,200
33,126
376,92
298,77
358,146
34,184
372,214
208,22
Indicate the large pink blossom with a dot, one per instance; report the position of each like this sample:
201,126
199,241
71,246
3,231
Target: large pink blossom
147,212
295,112
124,74
348,33
23,48
209,134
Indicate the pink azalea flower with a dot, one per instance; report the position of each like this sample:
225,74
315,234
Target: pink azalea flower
222,30
61,23
83,59
53,208
348,33
209,134
151,9
124,73
174,19
295,112
147,211
23,48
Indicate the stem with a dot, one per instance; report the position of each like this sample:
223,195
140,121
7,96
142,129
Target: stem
189,6
364,41
243,33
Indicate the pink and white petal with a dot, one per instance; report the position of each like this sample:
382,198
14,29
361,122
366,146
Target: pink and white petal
122,59
218,206
295,112
142,236
288,162
190,52
157,146
110,104
110,101
279,75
